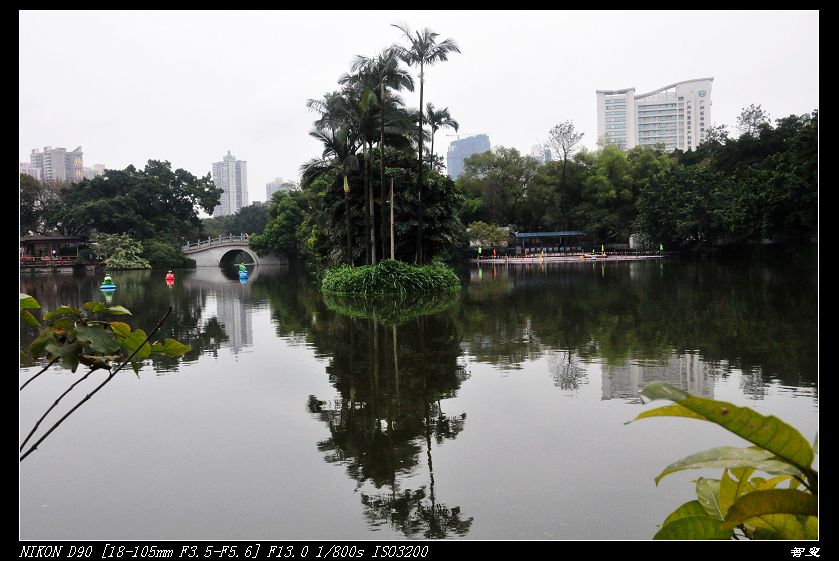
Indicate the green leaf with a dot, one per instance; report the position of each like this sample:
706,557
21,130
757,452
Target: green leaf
63,310
690,508
63,323
120,328
94,307
733,487
778,527
100,340
117,311
36,348
68,353
773,501
811,528
731,457
694,528
95,362
669,411
27,301
708,493
132,341
768,432
773,482
26,316
170,347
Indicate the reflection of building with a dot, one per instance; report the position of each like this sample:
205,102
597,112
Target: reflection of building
57,164
676,115
231,175
685,371
234,315
461,149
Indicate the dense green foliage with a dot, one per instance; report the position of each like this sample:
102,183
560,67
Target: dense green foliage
36,200
165,255
155,206
739,504
763,185
250,219
363,122
390,277
121,251
323,234
282,231
153,202
488,235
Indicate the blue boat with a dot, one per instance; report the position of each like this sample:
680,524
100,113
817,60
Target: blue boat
107,284
243,275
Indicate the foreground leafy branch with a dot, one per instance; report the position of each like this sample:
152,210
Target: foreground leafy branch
73,336
740,505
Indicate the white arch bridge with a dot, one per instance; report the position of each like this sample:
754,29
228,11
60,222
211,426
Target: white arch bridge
220,252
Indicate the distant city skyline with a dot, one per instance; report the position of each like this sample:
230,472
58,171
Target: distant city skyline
143,109
57,163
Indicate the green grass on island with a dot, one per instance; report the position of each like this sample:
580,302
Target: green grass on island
390,277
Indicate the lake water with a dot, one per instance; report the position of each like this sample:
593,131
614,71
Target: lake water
499,415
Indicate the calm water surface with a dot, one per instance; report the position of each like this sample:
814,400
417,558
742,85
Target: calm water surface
499,414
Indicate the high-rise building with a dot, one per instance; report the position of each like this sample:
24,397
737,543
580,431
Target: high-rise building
57,164
461,149
231,175
95,171
541,153
28,169
278,185
677,115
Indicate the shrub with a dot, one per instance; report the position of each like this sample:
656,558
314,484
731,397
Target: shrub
390,277
165,255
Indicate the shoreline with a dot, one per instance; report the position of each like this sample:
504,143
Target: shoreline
566,259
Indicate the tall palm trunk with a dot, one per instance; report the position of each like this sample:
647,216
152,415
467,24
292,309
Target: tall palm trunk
372,209
392,238
364,206
382,169
347,216
418,258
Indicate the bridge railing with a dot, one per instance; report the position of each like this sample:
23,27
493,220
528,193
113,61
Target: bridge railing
230,239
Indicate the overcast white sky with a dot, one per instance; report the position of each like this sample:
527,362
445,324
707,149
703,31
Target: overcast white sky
188,86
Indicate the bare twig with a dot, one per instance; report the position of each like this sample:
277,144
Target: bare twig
99,387
44,369
76,383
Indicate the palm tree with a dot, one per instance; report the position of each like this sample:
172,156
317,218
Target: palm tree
383,70
339,154
359,110
423,50
438,120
